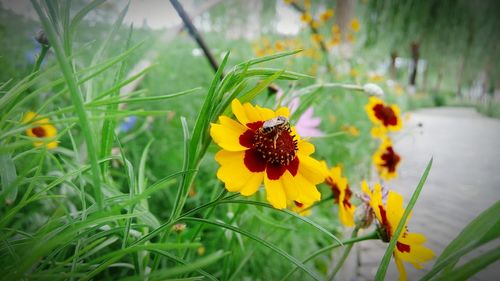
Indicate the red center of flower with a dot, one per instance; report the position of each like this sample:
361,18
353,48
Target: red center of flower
336,192
391,159
385,114
388,233
39,132
273,151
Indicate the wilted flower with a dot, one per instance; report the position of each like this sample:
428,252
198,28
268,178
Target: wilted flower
274,154
43,130
179,227
373,90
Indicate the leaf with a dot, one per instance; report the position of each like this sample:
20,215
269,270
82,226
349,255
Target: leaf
467,270
9,175
384,264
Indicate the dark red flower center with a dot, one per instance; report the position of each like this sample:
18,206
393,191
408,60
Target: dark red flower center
39,132
391,159
298,204
387,235
336,192
273,151
385,114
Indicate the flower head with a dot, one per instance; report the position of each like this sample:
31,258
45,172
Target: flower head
262,147
306,17
385,117
326,15
386,160
409,246
355,25
342,195
41,129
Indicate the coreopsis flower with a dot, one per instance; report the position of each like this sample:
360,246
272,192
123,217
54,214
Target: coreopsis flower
316,38
315,24
306,17
386,160
385,117
342,195
335,29
326,15
42,129
262,147
355,25
351,130
279,46
409,246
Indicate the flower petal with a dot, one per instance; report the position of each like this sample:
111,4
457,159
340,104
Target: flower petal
283,111
306,148
252,184
233,171
401,268
311,169
275,193
227,134
300,188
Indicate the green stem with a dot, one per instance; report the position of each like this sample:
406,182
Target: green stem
349,241
344,255
39,59
76,99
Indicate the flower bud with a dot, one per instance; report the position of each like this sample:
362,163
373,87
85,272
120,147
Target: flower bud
179,227
373,90
41,38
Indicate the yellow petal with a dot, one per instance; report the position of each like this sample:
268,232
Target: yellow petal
233,171
275,193
28,116
311,169
264,113
252,184
52,145
298,188
239,112
306,148
50,131
401,268
283,111
227,134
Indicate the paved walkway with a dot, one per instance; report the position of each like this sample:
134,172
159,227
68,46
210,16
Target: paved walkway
464,181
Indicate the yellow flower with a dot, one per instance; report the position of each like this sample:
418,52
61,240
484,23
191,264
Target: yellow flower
376,78
279,46
335,29
42,129
409,246
307,4
315,24
354,72
334,41
289,1
326,15
316,37
355,25
384,117
342,194
351,130
386,160
274,154
306,17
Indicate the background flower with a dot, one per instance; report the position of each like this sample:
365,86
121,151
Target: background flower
42,129
341,194
386,160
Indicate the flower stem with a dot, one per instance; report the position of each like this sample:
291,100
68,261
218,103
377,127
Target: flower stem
39,59
349,241
344,255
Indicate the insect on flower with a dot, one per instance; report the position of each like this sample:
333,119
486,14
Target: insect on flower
276,126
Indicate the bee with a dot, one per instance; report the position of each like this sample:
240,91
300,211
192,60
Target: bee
275,125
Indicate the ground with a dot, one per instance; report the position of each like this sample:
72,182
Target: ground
463,182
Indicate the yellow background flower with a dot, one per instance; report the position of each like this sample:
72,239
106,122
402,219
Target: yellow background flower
409,247
384,117
386,160
342,195
249,156
40,129
355,25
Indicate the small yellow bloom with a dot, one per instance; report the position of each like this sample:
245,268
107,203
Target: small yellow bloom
409,246
376,78
386,160
306,17
307,4
386,117
276,155
350,38
279,46
354,72
335,29
316,38
351,130
289,1
342,195
315,24
43,129
355,25
326,15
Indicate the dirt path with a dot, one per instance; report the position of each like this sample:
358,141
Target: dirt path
464,180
